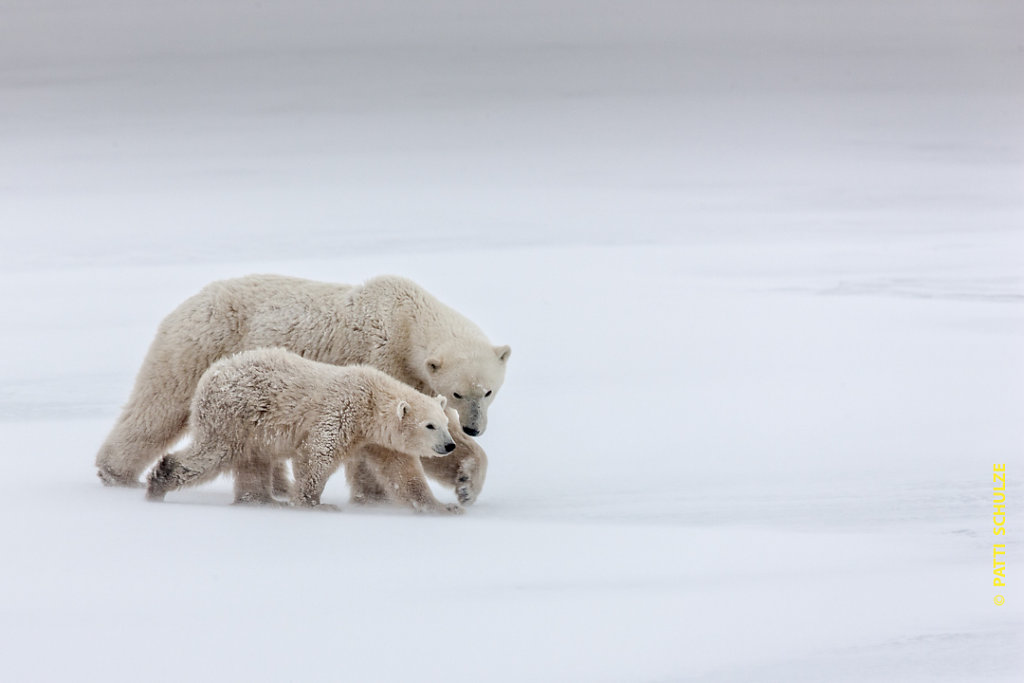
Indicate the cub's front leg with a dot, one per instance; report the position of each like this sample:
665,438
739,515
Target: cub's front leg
312,470
400,478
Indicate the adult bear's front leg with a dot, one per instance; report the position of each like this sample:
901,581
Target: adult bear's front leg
365,488
254,481
464,470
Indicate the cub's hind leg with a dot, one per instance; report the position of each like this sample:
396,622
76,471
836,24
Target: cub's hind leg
197,463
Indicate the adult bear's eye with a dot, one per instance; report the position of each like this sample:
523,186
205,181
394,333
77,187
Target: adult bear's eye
456,395
430,426
488,393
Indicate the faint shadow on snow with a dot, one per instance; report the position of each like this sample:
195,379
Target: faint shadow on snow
944,507
82,395
996,290
966,656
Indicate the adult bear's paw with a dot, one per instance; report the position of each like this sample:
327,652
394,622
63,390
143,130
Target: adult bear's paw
469,479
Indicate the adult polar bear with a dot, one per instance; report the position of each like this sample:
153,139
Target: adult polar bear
389,322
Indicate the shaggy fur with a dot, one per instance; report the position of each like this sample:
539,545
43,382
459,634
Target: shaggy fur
389,323
373,479
257,409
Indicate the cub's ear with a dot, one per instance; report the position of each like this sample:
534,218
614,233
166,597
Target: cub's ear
402,410
503,352
433,365
442,400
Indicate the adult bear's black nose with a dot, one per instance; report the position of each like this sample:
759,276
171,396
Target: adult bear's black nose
471,431
449,447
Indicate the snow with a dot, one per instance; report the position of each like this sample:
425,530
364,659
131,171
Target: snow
759,265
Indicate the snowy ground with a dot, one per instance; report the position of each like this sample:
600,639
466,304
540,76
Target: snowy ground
760,267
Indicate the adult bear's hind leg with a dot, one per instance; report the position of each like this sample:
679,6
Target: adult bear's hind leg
157,411
254,480
143,432
281,481
188,340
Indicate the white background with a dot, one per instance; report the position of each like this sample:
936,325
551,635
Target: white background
760,265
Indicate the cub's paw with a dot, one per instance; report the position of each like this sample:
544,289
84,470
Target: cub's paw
438,508
261,501
162,478
453,509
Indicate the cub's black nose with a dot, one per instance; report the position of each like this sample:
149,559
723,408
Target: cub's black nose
471,431
449,447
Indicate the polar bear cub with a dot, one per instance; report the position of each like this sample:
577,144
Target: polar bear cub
256,409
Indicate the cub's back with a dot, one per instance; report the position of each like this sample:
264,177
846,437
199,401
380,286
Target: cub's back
253,384
260,383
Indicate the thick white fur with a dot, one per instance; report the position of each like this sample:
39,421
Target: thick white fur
389,323
384,476
258,409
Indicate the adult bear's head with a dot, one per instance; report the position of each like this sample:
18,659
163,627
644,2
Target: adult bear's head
470,380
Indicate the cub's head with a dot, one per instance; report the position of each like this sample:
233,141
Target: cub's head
421,427
470,381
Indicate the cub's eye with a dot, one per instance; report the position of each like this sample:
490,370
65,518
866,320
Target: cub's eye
457,395
488,393
430,426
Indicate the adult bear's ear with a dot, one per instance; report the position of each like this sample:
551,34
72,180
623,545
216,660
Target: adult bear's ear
433,364
402,409
503,352
442,400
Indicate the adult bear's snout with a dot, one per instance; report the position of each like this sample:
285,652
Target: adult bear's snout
471,431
